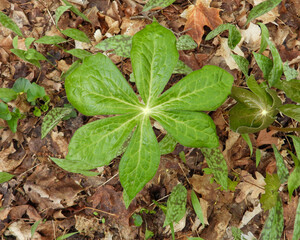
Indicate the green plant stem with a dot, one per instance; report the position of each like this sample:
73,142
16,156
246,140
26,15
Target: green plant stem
285,129
172,231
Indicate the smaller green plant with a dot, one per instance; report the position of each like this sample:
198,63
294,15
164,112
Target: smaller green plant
24,91
257,108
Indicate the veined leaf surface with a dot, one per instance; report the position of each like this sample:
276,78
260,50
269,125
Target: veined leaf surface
8,23
176,205
98,142
274,224
217,164
202,90
109,93
140,161
191,129
153,57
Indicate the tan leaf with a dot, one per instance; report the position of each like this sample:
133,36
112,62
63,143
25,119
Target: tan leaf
199,16
251,186
265,137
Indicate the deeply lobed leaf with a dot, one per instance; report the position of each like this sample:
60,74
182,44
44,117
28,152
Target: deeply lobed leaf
153,57
202,90
109,92
140,161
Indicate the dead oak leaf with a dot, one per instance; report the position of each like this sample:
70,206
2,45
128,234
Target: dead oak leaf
199,16
251,186
265,137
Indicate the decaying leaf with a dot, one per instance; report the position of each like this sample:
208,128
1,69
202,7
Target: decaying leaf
199,16
251,186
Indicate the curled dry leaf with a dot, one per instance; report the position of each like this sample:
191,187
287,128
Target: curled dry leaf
199,16
251,186
226,52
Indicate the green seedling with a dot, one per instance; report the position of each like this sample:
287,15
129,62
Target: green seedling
4,177
176,207
97,87
35,95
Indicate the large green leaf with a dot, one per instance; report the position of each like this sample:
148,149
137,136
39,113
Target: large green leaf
167,144
140,161
10,24
261,9
248,120
21,85
4,112
259,91
274,224
291,110
255,110
153,57
7,94
217,164
202,90
191,129
97,143
98,87
176,205
34,92
291,89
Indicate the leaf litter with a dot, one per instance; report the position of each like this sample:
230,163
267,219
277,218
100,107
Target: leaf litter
70,202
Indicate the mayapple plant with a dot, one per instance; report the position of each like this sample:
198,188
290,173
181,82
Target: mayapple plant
97,87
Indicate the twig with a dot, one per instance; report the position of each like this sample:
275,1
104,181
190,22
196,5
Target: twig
109,180
98,210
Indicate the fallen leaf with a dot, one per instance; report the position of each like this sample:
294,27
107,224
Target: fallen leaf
265,137
249,215
47,191
226,52
203,186
217,226
249,185
199,16
252,36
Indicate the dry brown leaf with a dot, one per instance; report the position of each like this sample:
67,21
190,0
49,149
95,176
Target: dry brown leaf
199,16
226,52
265,137
251,186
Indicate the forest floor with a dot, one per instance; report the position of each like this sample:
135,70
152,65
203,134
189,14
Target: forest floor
92,206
